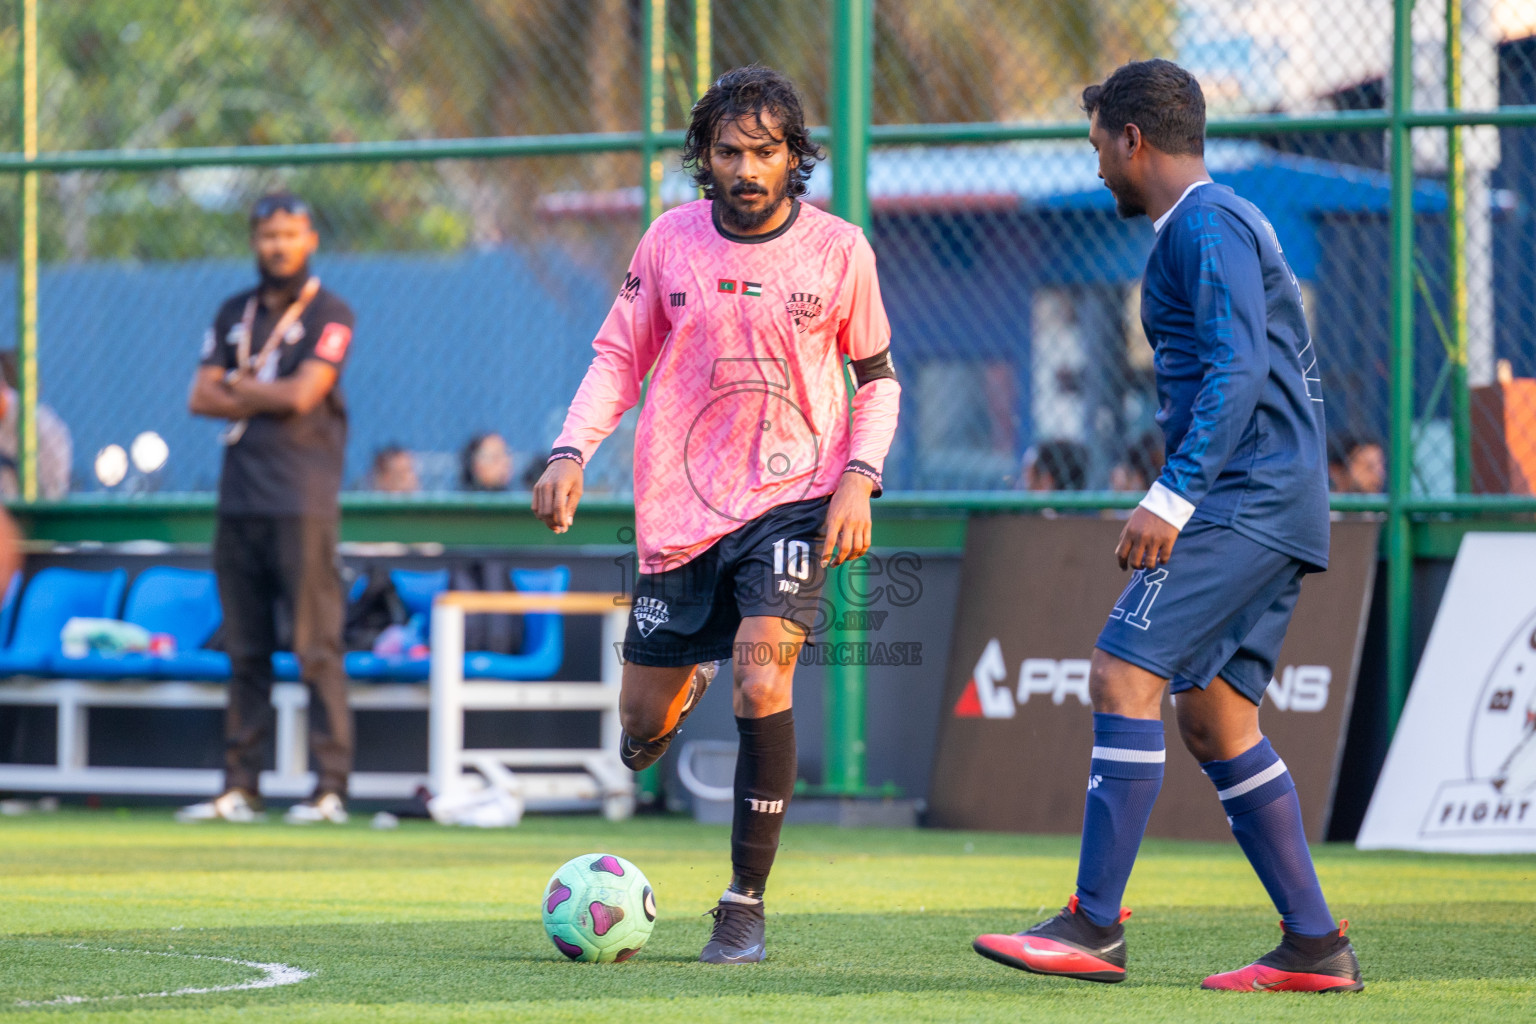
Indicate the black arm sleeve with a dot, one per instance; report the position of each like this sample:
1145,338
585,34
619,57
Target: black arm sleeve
873,368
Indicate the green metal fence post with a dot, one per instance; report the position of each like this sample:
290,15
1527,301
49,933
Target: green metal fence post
26,255
1455,229
852,33
703,47
654,119
653,62
852,44
1399,546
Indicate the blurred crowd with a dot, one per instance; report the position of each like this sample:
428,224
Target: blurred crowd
1357,464
485,464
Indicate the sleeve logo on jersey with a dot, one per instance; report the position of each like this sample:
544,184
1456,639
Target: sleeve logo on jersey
332,346
803,308
631,288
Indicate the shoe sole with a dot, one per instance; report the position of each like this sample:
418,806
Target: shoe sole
1311,983
1109,977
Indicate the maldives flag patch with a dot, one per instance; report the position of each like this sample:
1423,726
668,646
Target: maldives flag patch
751,288
727,286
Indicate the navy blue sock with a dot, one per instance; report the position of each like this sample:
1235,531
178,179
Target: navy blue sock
1124,779
1260,800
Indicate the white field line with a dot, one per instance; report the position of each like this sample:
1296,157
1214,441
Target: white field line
272,976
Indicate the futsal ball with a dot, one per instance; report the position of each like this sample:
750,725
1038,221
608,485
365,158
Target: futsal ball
599,908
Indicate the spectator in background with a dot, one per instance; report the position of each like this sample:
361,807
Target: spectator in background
271,367
486,464
55,446
394,471
1356,465
1140,465
1059,465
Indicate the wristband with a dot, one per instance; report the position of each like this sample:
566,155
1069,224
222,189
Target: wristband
864,469
574,454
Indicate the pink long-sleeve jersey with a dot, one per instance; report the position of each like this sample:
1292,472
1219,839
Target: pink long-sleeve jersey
747,406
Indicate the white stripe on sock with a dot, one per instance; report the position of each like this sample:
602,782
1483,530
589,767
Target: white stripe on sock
1253,782
1127,754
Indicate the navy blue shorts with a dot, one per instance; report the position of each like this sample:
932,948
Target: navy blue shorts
1220,607
770,566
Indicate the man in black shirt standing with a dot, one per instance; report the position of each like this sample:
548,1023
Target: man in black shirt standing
270,365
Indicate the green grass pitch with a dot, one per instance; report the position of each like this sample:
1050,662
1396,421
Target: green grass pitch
430,924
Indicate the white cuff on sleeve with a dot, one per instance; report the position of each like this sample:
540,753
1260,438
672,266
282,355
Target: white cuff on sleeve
1167,505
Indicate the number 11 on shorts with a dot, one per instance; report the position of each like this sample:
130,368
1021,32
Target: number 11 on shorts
1143,590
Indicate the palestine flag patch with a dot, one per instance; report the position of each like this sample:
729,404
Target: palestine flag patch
727,286
751,288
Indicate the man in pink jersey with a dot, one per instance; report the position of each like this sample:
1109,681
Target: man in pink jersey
750,479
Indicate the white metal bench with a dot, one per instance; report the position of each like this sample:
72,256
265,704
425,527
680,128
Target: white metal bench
590,776
526,772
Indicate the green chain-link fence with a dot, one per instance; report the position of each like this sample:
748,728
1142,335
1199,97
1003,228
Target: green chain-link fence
481,171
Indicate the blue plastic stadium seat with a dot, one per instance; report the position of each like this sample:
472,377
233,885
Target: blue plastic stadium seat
417,589
285,667
183,603
543,634
51,598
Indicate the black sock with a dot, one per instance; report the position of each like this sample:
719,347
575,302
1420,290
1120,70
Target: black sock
765,778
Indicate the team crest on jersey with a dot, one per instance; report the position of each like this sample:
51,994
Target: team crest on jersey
649,613
295,334
803,308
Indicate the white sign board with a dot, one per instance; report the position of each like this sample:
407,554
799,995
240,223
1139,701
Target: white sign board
1461,774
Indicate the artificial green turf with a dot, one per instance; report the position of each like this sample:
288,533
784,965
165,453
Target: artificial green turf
431,924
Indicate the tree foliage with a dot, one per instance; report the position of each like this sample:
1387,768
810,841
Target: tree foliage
172,73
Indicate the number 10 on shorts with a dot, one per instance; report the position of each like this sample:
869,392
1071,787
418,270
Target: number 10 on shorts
1135,605
792,558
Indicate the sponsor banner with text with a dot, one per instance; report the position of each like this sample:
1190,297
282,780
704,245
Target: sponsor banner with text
1461,774
1017,725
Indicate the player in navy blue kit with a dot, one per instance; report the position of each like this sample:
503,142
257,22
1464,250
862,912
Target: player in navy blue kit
1219,547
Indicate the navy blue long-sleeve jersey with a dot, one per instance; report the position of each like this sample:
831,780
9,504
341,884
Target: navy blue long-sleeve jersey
1238,385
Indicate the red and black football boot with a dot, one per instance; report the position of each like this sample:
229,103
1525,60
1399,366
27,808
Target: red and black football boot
1069,945
1300,963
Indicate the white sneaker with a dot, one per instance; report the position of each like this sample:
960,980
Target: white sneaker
327,807
231,805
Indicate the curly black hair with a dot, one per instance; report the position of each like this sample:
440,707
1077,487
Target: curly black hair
1157,96
751,91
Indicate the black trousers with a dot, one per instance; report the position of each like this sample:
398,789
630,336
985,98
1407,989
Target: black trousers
259,561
